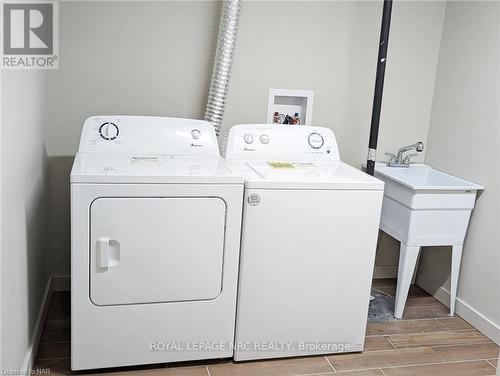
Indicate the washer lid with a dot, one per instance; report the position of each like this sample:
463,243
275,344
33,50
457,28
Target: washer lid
310,175
150,168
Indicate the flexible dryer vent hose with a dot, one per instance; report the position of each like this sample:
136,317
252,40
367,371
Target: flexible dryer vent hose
219,84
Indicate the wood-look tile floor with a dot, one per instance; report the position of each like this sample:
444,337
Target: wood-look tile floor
425,342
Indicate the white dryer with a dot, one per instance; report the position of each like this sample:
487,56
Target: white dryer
155,234
309,235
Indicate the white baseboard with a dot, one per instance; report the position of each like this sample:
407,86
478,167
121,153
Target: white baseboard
37,331
464,310
385,271
54,283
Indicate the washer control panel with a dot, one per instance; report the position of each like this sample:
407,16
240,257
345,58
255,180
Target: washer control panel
148,135
281,142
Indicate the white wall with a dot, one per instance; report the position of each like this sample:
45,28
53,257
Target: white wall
463,140
132,57
160,64
333,51
24,212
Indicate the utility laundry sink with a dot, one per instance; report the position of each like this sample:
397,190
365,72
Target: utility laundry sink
424,207
419,176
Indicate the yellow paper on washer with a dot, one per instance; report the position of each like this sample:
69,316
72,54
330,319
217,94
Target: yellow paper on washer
281,165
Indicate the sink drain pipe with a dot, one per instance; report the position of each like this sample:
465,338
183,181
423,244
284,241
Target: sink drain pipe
379,86
228,29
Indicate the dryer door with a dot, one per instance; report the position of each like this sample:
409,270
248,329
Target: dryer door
151,250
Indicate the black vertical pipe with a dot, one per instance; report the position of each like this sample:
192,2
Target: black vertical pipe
379,86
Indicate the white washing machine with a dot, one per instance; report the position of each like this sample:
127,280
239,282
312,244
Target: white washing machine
309,235
155,233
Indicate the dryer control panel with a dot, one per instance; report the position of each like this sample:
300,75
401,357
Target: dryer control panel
281,142
148,135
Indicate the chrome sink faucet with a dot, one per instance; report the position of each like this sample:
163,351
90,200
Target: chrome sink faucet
397,160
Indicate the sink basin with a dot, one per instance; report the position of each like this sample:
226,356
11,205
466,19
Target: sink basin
423,206
424,177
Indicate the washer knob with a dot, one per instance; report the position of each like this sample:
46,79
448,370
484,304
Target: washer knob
109,131
248,138
264,138
196,134
315,140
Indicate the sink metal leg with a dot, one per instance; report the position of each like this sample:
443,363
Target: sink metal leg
456,258
408,256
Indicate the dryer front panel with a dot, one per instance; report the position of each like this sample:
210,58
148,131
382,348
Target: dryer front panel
156,249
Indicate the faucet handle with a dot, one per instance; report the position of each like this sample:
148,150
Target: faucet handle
392,157
407,159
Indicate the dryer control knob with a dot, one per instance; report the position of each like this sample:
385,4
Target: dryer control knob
248,138
196,134
109,131
316,140
264,138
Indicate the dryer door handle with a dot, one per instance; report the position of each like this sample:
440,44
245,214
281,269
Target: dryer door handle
103,252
